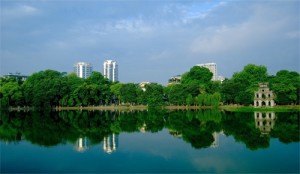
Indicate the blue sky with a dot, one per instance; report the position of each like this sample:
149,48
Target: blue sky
150,40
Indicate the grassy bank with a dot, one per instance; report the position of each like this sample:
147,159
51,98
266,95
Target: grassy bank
286,108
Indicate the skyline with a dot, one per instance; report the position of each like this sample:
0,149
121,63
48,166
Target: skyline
153,41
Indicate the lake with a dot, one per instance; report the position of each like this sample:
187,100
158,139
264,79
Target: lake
157,141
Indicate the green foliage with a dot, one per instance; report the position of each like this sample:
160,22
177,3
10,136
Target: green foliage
240,89
11,94
154,94
44,89
50,88
128,93
176,94
286,86
49,128
197,75
208,99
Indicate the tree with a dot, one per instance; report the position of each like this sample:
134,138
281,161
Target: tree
11,94
70,82
189,100
175,94
246,82
286,86
44,89
197,75
115,89
128,93
154,94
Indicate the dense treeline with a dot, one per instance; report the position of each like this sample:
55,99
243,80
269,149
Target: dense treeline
51,88
49,128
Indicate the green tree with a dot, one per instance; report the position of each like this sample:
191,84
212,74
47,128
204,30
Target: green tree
128,93
286,86
175,94
246,82
197,75
11,94
116,91
44,89
189,100
154,94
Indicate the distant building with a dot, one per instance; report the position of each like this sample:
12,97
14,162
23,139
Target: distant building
83,69
110,70
212,68
221,79
17,75
264,97
143,84
175,79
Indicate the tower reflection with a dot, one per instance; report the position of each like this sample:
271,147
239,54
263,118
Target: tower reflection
264,121
110,143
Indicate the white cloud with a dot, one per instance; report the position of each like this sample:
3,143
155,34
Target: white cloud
19,11
134,25
293,34
258,29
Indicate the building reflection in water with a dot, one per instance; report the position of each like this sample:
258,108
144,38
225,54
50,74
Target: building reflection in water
264,121
82,144
110,143
143,128
175,133
215,144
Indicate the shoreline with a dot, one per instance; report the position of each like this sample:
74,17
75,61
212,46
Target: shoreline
231,108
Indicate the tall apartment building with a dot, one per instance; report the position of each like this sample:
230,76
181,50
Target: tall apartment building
212,68
110,70
83,69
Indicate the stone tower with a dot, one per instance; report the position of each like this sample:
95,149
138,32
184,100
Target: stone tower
264,97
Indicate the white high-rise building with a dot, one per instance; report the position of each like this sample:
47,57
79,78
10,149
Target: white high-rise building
83,69
212,68
110,70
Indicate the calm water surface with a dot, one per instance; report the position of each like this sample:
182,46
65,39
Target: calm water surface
156,141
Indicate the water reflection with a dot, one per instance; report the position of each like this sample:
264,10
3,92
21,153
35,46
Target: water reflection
199,128
82,144
215,143
110,143
264,121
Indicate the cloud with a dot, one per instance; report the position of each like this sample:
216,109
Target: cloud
170,36
293,34
257,30
18,11
213,164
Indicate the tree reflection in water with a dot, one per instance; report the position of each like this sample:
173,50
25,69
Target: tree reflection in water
199,128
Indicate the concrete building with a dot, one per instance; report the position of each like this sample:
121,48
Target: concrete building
110,70
17,76
212,68
83,69
175,80
264,97
143,85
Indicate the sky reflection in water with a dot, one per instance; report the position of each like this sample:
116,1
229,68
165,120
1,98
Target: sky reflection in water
141,151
